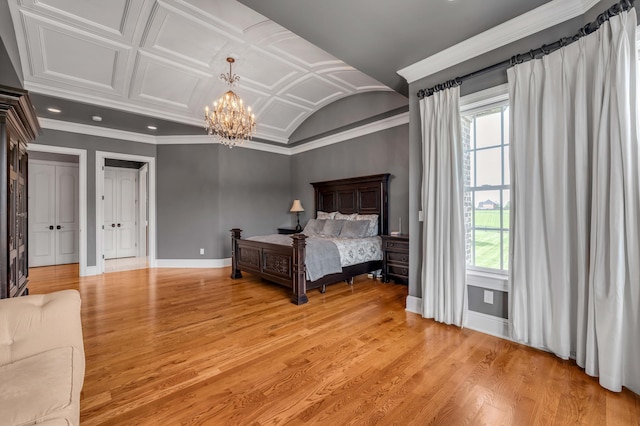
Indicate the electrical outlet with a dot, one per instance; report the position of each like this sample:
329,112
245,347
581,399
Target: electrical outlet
488,297
201,251
420,216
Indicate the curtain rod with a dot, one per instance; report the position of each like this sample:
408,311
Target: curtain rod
543,50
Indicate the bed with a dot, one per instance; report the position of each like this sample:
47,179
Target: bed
285,264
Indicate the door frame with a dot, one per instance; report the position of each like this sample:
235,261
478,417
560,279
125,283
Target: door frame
82,196
101,156
143,185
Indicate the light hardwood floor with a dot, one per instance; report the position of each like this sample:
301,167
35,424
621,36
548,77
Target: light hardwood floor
191,346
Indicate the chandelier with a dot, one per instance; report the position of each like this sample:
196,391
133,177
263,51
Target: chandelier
228,121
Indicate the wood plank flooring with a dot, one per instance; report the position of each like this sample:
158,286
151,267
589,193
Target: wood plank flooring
191,346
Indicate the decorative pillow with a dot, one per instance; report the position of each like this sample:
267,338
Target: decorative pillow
325,215
346,216
314,227
354,229
332,228
372,231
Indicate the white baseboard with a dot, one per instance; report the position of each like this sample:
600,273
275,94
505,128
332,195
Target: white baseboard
488,324
193,263
91,270
414,304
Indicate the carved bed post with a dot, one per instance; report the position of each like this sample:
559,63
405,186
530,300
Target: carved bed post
235,235
299,270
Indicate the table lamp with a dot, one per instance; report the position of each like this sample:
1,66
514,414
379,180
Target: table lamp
297,208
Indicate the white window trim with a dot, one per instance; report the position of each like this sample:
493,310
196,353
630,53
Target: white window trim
473,102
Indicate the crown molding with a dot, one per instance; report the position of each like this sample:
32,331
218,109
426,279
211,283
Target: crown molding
206,139
105,132
386,123
376,126
534,21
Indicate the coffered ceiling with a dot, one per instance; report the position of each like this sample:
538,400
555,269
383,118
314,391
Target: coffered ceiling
157,62
163,58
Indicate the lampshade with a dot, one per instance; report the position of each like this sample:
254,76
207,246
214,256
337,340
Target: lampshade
297,206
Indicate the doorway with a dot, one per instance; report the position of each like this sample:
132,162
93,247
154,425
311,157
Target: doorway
53,209
125,211
78,235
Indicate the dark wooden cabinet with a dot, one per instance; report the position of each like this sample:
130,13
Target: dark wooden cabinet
395,264
18,126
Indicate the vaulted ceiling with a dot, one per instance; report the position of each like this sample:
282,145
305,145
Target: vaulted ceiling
139,62
164,58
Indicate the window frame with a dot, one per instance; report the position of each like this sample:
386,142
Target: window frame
495,97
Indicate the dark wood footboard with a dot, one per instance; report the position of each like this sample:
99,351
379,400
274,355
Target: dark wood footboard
280,264
285,265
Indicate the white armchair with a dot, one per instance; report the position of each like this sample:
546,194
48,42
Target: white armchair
41,359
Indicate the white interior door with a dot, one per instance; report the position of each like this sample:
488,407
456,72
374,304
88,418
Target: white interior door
120,212
67,209
110,213
127,213
53,214
42,243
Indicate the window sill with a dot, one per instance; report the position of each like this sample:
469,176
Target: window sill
489,280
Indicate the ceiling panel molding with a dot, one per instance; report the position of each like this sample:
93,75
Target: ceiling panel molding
299,50
163,58
314,91
150,83
228,15
354,79
281,114
57,54
534,21
114,19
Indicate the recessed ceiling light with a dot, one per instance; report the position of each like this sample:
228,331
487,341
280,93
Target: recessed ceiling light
54,110
152,128
96,118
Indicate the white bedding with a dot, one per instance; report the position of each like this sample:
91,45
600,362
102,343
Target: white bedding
357,250
352,250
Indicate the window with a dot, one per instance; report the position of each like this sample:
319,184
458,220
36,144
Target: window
486,199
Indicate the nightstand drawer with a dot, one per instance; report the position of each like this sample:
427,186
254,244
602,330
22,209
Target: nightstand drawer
396,245
394,257
398,270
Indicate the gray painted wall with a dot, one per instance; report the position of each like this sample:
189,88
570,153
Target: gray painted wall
92,144
499,307
343,113
534,41
10,67
205,190
386,151
255,194
187,201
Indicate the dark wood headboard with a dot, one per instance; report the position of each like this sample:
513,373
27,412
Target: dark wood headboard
362,195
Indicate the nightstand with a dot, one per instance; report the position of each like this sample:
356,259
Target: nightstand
395,260
288,230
